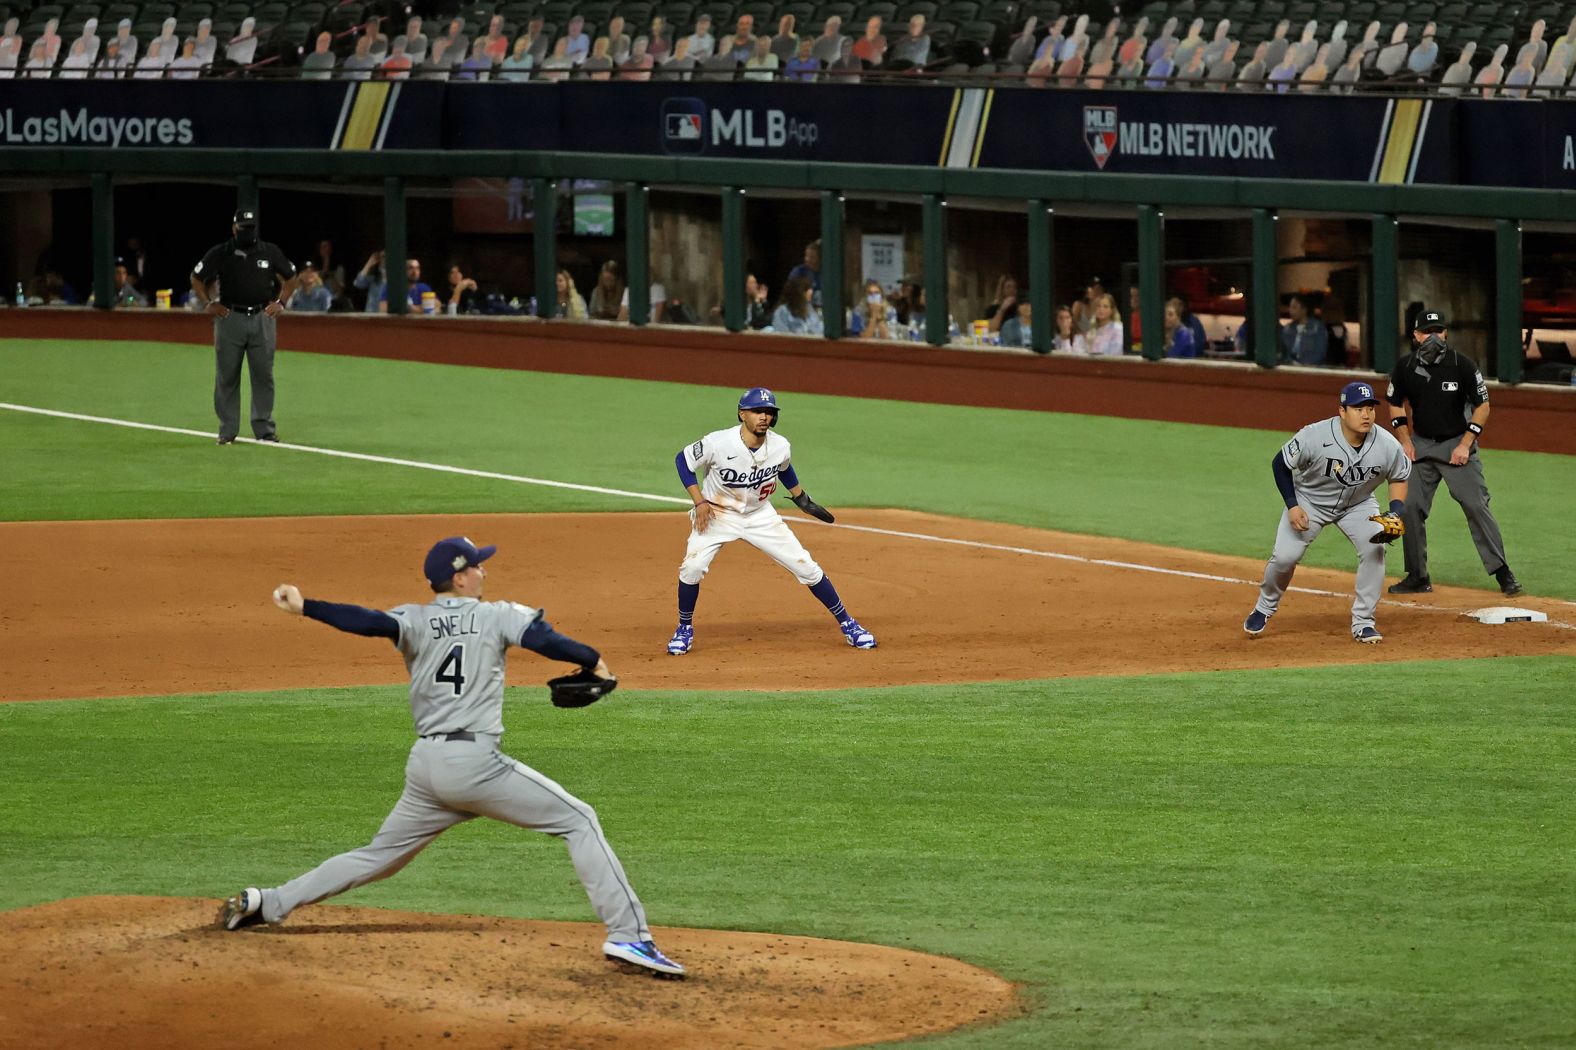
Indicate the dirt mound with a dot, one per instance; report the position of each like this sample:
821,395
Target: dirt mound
183,607
132,972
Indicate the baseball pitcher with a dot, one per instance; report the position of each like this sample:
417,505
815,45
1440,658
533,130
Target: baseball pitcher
730,476
1327,475
454,647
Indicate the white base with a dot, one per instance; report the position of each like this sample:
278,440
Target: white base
1507,614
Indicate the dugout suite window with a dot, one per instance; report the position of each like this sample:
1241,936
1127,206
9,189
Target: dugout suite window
1548,319
1448,265
1326,260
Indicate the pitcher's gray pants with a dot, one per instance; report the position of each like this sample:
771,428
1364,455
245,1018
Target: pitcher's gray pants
1291,545
237,335
450,781
1467,485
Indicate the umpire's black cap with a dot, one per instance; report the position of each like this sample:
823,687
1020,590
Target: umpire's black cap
1431,321
245,217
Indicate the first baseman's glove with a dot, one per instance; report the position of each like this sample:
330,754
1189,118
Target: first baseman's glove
580,689
1391,528
811,507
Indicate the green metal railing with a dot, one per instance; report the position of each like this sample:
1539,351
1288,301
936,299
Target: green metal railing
1040,191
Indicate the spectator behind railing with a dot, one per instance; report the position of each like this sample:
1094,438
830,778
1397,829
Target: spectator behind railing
1520,77
803,67
872,317
464,296
373,278
10,49
1279,44
1223,70
1488,78
701,44
310,295
569,303
598,65
809,270
50,38
1551,81
742,45
1306,49
413,40
618,43
456,44
829,45
361,62
1160,70
331,270
656,296
1167,38
242,47
188,65
1192,42
111,65
1536,50
658,44
1254,75
540,45
494,44
1104,49
398,64
1136,46
577,45
1062,338
1425,56
319,65
1304,339
1459,73
84,49
151,65
1191,76
126,291
1006,304
762,65
1345,79
1178,336
205,47
1072,67
679,66
915,46
1079,35
558,64
871,47
415,287
1216,49
607,294
169,43
1392,57
639,64
1338,47
785,44
1095,73
795,315
1106,335
1318,71
39,67
1021,51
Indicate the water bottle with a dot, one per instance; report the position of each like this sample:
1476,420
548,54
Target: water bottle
954,333
530,306
913,332
21,295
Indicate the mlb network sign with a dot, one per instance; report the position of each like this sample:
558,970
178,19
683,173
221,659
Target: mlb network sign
689,125
1105,135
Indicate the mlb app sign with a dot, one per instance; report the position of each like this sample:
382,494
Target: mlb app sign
689,125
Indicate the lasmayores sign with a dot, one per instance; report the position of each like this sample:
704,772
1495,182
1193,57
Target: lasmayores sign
80,126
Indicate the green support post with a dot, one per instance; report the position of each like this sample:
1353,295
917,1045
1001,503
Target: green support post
246,195
637,252
544,245
1041,276
1151,279
103,241
394,247
832,263
1264,290
1507,300
935,239
733,258
1384,318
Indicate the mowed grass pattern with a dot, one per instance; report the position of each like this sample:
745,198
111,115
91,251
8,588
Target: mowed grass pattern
1197,487
1241,860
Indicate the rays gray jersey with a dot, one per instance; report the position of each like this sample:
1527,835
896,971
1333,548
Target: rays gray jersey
454,650
1332,477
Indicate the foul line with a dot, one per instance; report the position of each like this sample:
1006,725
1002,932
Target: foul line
549,483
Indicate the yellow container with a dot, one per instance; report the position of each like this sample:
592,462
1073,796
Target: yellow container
980,329
161,298
429,302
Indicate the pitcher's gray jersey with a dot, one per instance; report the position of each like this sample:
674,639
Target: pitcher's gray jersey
1331,477
454,650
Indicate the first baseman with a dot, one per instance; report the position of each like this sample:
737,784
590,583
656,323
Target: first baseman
1327,475
730,476
454,648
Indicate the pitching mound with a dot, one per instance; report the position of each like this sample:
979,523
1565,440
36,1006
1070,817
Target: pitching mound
131,972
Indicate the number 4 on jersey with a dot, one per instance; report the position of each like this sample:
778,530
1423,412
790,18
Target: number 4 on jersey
450,670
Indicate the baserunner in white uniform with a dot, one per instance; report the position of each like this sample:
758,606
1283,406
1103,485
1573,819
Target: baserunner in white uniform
454,649
730,476
1327,475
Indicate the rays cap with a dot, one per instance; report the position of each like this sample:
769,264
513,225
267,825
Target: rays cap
1431,321
452,555
1353,394
245,217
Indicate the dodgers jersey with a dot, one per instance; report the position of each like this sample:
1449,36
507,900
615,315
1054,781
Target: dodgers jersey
1331,477
734,476
454,651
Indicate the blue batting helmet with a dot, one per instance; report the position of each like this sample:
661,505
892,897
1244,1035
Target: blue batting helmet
759,399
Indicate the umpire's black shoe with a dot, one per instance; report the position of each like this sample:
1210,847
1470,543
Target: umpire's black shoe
1412,585
270,437
225,440
1508,583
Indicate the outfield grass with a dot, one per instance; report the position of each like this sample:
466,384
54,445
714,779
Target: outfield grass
1198,487
1250,859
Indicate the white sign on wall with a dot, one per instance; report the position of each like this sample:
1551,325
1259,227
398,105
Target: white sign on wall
881,258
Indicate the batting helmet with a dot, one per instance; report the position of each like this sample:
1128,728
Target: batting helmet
759,399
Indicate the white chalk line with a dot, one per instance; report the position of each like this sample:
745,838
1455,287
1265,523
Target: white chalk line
522,479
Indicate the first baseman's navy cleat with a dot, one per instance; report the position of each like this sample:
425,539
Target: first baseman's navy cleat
857,636
644,954
1412,585
274,438
243,910
1254,624
682,639
1368,636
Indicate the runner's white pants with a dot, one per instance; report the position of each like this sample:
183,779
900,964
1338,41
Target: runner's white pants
763,529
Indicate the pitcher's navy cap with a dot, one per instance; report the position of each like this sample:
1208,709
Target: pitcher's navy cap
1358,394
1431,321
452,555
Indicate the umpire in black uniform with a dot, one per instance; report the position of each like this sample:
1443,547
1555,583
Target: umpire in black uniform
244,282
1449,402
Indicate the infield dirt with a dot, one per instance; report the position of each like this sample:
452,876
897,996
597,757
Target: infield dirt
158,607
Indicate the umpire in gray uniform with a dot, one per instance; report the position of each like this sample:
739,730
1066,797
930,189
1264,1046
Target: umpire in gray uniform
1449,401
244,283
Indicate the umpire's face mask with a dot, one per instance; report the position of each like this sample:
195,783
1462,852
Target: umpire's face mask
246,236
1430,350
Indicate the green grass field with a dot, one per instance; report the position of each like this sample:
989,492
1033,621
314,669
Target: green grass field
1301,857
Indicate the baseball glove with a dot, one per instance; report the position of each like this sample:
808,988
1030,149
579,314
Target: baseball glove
580,689
1391,528
811,507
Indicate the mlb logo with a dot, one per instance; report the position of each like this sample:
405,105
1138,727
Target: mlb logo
1100,133
1450,386
684,125
262,264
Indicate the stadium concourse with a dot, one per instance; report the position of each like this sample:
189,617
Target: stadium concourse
1502,48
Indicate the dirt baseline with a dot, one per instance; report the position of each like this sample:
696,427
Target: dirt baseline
122,973
154,607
